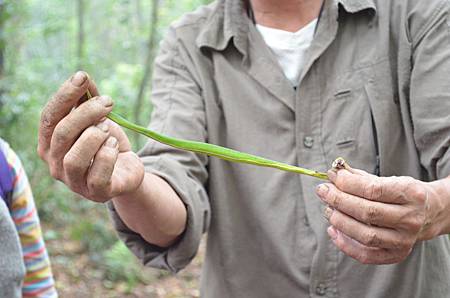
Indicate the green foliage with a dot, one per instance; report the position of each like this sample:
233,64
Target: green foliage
122,84
39,40
93,235
121,265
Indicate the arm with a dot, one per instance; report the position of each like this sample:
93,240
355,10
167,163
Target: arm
178,111
155,196
93,157
70,140
378,220
39,278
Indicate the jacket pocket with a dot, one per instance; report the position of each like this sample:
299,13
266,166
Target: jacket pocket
349,129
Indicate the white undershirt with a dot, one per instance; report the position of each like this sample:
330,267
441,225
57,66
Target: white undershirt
290,48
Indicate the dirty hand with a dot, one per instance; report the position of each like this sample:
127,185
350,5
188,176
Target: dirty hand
378,220
88,152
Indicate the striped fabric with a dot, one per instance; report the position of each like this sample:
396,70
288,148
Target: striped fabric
38,279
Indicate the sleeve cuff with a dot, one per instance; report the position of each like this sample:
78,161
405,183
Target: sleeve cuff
179,255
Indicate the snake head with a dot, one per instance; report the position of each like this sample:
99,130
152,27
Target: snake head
339,164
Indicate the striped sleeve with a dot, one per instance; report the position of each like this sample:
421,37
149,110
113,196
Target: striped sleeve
39,278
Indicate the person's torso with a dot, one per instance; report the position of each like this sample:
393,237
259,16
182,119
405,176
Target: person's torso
267,236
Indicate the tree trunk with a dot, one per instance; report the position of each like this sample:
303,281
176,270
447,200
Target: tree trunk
148,65
80,43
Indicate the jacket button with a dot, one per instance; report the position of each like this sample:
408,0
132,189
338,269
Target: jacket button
321,290
308,142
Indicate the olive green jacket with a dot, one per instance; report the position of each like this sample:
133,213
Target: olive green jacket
375,90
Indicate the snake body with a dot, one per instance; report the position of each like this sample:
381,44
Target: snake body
211,149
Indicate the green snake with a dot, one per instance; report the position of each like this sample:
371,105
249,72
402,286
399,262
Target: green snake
211,149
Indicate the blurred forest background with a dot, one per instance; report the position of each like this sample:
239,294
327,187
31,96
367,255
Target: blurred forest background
42,43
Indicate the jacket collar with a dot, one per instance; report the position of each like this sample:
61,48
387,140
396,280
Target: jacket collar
229,21
356,6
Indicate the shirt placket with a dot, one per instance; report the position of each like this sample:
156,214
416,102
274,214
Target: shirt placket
323,275
310,155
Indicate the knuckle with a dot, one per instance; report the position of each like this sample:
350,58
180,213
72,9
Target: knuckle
374,189
89,105
61,134
106,156
371,238
417,192
76,186
408,243
90,111
71,162
412,220
98,185
402,243
370,214
407,181
337,221
363,257
94,185
336,199
398,244
55,173
98,198
47,118
415,223
398,187
95,106
65,94
95,134
341,179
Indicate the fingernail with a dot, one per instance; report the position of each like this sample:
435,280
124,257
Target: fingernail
105,100
322,189
111,142
332,175
103,126
332,232
79,78
327,213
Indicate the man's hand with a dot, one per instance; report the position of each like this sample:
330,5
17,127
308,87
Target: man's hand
377,220
88,152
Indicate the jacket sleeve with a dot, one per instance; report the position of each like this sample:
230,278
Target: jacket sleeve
178,111
429,28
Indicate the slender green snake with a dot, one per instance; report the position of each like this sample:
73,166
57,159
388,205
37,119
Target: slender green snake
211,149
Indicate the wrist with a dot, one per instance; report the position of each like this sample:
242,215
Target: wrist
138,192
439,207
153,210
